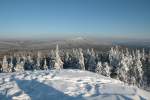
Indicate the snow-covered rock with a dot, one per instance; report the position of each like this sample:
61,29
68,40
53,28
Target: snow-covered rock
65,85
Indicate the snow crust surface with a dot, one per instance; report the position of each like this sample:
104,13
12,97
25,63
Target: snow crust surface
65,85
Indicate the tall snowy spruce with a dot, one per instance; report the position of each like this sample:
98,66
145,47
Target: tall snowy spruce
123,68
99,68
51,59
91,63
10,65
38,60
81,59
20,64
106,69
5,64
103,69
45,64
74,59
138,68
29,63
143,55
114,57
58,62
66,59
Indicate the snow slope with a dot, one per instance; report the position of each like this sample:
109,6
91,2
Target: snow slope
65,85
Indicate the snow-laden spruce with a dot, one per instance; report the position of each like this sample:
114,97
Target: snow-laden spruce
65,85
58,62
127,66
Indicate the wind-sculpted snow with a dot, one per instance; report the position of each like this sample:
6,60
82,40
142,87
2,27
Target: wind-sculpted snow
65,85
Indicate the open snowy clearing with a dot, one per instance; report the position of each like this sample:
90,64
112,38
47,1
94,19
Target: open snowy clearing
65,85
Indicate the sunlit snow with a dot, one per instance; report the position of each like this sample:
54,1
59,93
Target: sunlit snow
65,85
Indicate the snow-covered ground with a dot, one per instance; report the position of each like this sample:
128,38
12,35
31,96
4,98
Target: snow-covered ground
65,85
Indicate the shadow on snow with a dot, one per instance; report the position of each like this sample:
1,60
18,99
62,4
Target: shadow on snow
39,91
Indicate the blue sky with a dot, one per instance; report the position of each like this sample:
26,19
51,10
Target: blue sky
65,18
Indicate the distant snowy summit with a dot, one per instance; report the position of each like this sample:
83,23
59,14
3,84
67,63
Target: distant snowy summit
78,39
65,85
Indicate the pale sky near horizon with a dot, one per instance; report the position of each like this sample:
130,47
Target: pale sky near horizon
65,18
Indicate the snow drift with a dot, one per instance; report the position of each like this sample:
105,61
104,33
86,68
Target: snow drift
65,85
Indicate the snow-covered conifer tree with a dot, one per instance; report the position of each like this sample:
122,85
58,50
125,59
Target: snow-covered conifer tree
58,62
91,63
29,63
133,55
51,59
138,54
92,52
106,69
38,60
29,58
138,71
123,68
10,65
127,52
1,69
86,59
81,59
52,54
21,68
143,55
66,59
19,65
24,59
45,65
99,68
5,64
114,57
88,52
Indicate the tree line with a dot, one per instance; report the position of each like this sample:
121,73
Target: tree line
129,66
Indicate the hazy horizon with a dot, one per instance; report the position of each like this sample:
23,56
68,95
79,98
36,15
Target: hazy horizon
36,19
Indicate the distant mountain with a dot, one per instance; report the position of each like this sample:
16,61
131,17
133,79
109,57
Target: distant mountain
77,42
